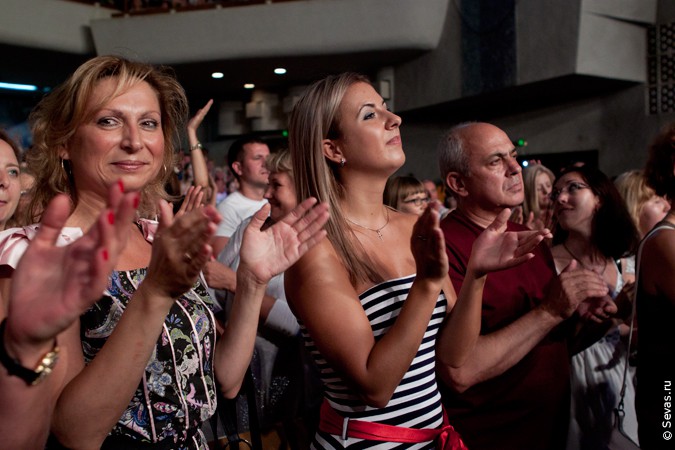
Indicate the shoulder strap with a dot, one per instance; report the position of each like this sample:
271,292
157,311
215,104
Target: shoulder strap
661,225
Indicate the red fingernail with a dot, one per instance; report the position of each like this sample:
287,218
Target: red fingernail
111,218
105,254
121,185
137,201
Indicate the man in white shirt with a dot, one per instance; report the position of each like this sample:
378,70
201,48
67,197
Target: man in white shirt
246,159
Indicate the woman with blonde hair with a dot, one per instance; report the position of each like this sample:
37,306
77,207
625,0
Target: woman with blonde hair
140,366
537,207
372,298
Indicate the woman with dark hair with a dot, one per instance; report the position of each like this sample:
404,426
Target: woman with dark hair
656,304
406,194
594,228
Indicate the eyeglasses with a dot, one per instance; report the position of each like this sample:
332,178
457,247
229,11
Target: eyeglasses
571,189
418,201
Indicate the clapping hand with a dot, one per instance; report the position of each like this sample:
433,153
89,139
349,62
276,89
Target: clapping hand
198,118
52,286
498,249
428,245
194,198
597,309
267,253
180,249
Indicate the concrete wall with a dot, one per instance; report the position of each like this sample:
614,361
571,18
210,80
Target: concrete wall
616,125
553,39
49,24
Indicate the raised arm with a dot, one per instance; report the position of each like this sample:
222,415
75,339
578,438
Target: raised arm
320,293
263,255
199,168
96,395
44,302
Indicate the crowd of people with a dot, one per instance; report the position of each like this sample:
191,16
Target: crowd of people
366,313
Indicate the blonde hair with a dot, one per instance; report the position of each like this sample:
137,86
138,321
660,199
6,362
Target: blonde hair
314,118
280,162
632,186
530,174
58,115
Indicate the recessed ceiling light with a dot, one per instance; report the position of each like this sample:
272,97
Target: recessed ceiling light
249,86
217,75
280,71
18,87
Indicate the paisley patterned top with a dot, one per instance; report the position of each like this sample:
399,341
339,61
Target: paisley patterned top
177,392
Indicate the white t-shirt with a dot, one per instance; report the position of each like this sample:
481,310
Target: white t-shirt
234,209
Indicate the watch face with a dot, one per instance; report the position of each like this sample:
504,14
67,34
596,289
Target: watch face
46,366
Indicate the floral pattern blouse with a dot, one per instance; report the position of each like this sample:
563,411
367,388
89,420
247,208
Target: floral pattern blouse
177,392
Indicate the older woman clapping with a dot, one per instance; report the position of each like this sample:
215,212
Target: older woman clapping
141,361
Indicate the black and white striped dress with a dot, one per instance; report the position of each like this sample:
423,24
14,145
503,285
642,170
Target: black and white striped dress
416,402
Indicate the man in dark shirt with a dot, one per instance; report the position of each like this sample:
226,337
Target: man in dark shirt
514,391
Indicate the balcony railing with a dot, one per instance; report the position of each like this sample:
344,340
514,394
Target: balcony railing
138,7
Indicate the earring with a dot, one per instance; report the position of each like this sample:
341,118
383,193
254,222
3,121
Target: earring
342,162
65,169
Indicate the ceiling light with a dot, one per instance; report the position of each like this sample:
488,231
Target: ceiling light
217,75
18,87
280,71
249,86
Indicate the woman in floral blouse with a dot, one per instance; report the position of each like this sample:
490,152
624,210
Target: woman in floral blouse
141,365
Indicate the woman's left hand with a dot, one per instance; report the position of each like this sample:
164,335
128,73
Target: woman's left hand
267,253
497,249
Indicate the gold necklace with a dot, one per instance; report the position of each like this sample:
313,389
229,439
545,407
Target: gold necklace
376,230
604,266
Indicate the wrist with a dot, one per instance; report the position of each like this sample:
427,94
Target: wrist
547,314
28,351
30,361
245,278
196,146
154,295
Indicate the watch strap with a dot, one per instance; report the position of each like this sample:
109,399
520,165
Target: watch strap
15,368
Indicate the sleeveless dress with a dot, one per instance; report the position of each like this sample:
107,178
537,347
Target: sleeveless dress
655,372
416,402
596,377
177,391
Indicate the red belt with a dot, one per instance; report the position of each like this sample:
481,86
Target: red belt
333,423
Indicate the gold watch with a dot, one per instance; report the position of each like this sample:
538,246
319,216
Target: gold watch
14,366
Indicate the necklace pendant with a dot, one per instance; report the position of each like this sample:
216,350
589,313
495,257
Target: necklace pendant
379,234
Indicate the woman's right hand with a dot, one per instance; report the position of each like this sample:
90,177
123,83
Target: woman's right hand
180,249
266,253
428,245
